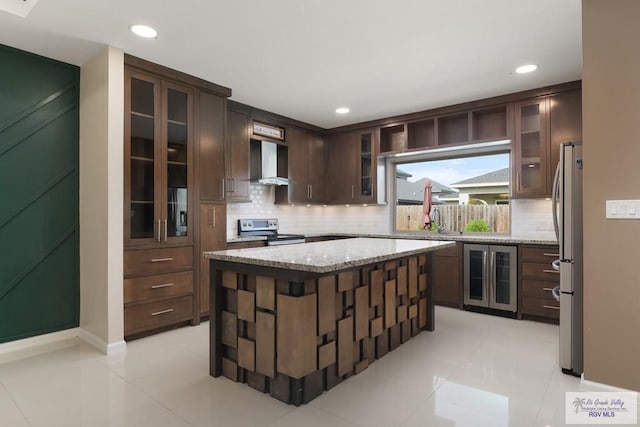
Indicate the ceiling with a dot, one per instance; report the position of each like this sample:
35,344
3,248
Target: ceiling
303,59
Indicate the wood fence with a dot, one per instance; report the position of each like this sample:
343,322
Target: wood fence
455,217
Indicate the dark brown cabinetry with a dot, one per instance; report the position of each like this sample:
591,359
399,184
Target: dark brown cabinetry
213,236
237,157
464,127
158,161
306,168
159,186
537,279
174,157
565,125
158,288
531,148
211,159
447,283
542,124
351,167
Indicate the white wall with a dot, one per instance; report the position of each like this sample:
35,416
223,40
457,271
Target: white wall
101,199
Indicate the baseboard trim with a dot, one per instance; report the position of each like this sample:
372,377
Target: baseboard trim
103,346
27,347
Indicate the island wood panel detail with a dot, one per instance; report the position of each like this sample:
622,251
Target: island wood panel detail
296,338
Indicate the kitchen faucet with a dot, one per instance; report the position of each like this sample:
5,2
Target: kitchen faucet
438,220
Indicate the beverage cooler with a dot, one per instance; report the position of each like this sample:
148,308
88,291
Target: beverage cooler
490,277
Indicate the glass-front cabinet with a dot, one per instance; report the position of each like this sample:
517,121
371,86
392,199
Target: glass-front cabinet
490,276
531,148
158,152
365,148
366,165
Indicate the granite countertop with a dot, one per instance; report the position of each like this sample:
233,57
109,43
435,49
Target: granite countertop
329,256
466,237
456,237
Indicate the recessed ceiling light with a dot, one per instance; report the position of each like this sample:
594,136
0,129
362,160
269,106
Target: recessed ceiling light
523,69
144,31
342,110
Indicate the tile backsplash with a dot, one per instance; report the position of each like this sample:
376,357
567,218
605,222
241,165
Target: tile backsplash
532,217
307,219
529,218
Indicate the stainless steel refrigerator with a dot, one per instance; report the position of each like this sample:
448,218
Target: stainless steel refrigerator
567,214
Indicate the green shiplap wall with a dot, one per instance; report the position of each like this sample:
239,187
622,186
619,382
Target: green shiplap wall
39,260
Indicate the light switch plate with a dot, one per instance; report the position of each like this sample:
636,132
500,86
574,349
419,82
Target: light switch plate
623,209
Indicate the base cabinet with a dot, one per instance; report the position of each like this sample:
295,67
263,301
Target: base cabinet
537,280
490,277
158,289
447,274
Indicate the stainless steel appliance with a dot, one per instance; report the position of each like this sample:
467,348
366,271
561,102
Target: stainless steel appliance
490,277
567,215
268,228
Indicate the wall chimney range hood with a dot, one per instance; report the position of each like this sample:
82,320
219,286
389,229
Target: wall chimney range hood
269,163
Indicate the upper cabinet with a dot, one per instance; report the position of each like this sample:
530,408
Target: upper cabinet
542,124
531,148
351,168
158,161
306,153
448,129
237,157
565,125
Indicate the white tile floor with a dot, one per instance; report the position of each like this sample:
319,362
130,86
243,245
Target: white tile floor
474,370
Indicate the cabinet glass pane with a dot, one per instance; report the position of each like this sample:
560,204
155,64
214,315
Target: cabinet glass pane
142,159
476,275
503,278
530,147
366,187
177,140
142,97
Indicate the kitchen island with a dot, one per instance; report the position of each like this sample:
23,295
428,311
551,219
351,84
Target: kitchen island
296,320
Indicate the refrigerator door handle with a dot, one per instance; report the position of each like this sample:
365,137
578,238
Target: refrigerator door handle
554,201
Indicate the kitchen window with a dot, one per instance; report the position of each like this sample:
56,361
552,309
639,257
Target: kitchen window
469,190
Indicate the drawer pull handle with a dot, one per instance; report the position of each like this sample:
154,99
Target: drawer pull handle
553,307
161,259
551,271
168,310
553,255
164,285
544,289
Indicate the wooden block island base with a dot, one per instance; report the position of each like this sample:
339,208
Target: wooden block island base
296,320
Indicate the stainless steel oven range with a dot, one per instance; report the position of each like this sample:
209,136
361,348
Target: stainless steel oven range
268,228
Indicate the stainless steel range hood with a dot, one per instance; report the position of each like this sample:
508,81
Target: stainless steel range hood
269,163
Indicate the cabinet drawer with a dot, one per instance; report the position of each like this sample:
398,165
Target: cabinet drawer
544,307
540,271
538,289
157,261
151,288
542,254
144,317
